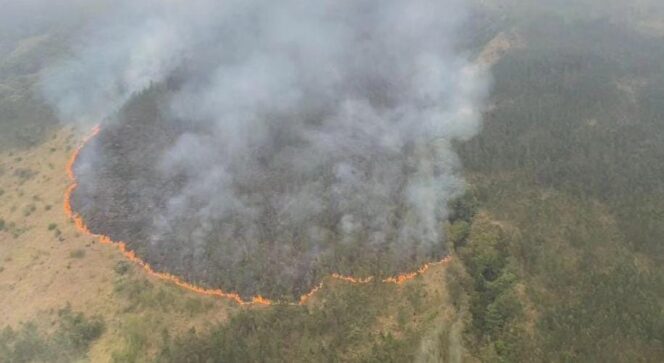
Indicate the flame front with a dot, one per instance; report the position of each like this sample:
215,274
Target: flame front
131,255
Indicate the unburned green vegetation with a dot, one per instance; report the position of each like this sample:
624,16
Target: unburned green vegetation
568,164
69,341
344,326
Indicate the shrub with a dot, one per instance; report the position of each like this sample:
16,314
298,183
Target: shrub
28,209
24,174
76,332
77,253
68,343
122,267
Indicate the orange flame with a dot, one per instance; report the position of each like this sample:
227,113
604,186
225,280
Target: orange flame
130,255
304,298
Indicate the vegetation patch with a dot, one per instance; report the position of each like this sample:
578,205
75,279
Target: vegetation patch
79,253
69,342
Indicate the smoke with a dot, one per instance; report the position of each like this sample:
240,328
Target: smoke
319,121
25,18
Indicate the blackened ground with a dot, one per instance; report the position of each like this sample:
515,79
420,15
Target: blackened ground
121,192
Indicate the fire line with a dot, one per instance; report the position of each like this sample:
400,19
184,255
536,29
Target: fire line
130,255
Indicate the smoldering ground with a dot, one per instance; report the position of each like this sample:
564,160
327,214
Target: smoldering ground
259,145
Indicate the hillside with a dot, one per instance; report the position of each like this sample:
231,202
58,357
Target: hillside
554,249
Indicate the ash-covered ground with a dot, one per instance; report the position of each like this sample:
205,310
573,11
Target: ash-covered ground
124,193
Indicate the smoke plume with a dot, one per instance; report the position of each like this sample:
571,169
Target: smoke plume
325,122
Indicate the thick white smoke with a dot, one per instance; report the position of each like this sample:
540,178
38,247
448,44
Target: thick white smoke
316,120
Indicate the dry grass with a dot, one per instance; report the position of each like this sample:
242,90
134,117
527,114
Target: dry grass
46,263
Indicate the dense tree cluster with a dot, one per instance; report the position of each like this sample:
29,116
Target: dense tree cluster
570,159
